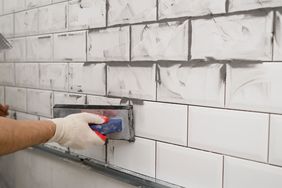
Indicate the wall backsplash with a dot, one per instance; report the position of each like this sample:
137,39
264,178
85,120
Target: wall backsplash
207,73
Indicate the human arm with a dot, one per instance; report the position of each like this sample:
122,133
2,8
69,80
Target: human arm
72,131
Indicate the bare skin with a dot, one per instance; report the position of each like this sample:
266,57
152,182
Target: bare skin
20,134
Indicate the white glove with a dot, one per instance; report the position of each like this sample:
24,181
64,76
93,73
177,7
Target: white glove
73,131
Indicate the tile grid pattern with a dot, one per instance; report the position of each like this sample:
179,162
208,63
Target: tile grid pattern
202,121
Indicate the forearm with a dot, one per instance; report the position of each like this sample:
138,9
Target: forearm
20,134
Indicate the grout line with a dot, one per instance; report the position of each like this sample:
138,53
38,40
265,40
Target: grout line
268,138
107,13
227,6
156,155
157,10
273,35
188,126
130,43
189,40
223,167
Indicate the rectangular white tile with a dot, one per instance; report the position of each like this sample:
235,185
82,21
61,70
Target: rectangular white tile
240,5
39,48
188,167
7,73
13,5
184,8
68,98
98,100
193,83
54,76
275,140
7,25
160,121
108,44
15,98
161,41
26,22
53,18
246,174
254,86
138,156
18,52
237,133
131,11
233,37
25,116
37,3
2,94
134,81
87,14
70,46
277,39
27,74
87,78
44,107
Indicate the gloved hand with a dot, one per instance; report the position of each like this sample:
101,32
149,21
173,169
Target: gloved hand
4,110
73,131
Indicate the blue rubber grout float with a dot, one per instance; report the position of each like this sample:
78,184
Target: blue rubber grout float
119,127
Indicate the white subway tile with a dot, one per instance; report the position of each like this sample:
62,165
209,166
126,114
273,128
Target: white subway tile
27,74
194,83
254,86
238,133
37,3
26,22
25,116
18,52
13,5
131,11
87,78
161,41
54,76
87,14
7,25
68,98
7,73
233,37
239,5
138,156
15,98
275,140
184,8
108,44
70,46
39,48
2,95
98,100
246,174
160,121
134,81
188,167
53,18
39,102
93,152
277,47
